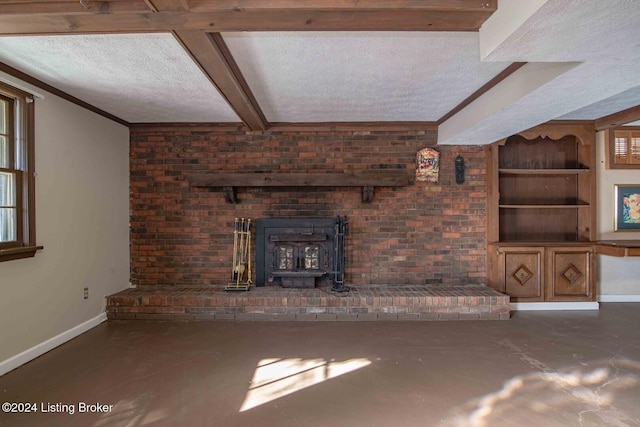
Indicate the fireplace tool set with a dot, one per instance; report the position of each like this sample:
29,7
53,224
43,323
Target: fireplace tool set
295,252
241,256
340,255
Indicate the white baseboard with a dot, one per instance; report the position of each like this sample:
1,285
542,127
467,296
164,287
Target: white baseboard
534,306
619,298
40,349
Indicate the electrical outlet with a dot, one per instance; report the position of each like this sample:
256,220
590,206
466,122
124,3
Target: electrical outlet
86,293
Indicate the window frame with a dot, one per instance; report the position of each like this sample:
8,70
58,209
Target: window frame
21,139
610,140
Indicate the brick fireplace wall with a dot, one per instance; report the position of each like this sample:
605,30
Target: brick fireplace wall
425,233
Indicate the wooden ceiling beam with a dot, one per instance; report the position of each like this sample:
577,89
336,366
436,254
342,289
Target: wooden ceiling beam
618,119
211,54
197,24
213,57
241,5
72,7
169,5
61,6
314,17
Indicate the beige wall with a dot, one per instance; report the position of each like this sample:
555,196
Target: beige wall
82,192
616,276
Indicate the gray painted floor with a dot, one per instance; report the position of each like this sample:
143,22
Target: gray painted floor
537,369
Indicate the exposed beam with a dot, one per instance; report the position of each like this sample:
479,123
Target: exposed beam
212,55
485,88
477,123
169,5
72,7
442,5
502,24
618,119
197,24
311,15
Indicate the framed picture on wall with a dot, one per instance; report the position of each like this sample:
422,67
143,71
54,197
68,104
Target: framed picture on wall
627,207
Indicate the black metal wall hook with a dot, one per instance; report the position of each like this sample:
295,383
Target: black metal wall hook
459,165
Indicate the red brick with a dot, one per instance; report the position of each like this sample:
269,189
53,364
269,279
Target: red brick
183,236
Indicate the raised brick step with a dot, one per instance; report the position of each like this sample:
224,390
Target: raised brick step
363,302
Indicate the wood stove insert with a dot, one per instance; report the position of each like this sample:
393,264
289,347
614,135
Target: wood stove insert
301,252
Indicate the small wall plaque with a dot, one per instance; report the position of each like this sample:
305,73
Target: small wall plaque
428,165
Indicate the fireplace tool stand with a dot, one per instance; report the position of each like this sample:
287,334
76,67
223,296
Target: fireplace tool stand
241,256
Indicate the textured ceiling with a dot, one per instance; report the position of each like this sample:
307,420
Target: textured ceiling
575,30
595,44
296,77
582,57
136,77
363,76
627,99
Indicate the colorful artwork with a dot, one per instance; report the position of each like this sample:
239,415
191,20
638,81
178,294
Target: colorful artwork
428,161
631,208
627,207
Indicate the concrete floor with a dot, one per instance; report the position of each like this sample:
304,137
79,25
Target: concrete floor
537,369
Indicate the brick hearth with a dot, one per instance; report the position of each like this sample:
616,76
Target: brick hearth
364,303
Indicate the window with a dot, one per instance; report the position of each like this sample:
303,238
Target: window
17,184
624,148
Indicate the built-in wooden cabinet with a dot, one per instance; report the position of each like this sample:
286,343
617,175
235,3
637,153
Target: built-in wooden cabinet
569,273
549,272
521,272
542,214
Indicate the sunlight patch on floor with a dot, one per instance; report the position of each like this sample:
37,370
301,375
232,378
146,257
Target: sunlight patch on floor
275,378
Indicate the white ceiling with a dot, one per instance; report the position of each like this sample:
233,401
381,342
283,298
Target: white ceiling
360,76
296,77
593,47
583,63
136,77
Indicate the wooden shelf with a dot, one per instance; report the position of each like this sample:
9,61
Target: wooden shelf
619,248
536,206
541,214
541,243
512,171
367,179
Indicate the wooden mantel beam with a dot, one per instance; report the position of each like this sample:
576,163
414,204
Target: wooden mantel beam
366,179
228,15
376,178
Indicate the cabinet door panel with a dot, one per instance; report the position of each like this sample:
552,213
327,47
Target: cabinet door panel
520,273
569,274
